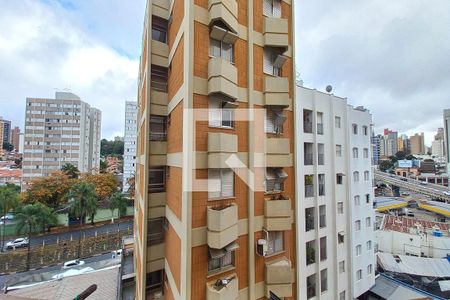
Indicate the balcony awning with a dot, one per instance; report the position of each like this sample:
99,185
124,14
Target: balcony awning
219,253
231,247
223,35
342,174
282,174
229,105
279,118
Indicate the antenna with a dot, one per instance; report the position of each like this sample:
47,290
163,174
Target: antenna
329,88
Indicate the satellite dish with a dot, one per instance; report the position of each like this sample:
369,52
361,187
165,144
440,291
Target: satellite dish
329,88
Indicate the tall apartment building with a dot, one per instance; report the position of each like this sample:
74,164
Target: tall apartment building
417,142
376,148
15,138
130,136
1,135
215,193
6,135
447,138
59,131
335,217
389,145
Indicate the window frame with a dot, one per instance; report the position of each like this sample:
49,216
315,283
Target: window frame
221,176
161,26
213,113
222,261
275,242
160,186
221,49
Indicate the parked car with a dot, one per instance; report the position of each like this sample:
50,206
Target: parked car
423,183
7,217
73,263
446,193
116,253
403,179
17,243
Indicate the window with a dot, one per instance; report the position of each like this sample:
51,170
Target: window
321,184
311,286
339,178
342,266
221,113
337,122
365,130
221,183
322,216
309,186
357,200
275,119
307,121
310,252
275,242
358,250
272,8
366,153
342,295
355,152
323,248
158,128
356,176
308,154
340,237
155,231
367,198
340,208
323,281
309,219
320,154
272,63
154,280
221,49
366,175
159,77
357,225
369,269
319,123
159,29
157,179
275,178
369,245
358,275
368,222
355,129
220,259
338,151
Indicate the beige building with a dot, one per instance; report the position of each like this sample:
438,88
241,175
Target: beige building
215,194
59,131
417,142
1,136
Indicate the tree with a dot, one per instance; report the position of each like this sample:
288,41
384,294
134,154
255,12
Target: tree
46,217
385,165
18,163
8,200
410,157
117,201
27,220
80,198
103,166
70,170
8,147
49,190
400,155
393,159
111,147
105,184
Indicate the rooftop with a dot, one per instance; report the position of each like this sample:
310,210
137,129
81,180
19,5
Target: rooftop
410,225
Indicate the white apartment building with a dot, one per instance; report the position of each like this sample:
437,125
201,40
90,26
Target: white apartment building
129,155
59,131
334,190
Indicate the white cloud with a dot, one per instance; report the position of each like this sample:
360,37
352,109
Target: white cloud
391,56
42,47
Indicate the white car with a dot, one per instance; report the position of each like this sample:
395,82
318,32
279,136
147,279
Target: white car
7,217
446,193
73,263
17,243
116,253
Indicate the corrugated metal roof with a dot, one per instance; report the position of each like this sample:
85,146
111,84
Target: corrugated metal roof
420,266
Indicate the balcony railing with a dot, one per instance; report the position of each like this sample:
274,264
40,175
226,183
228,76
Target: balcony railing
159,86
321,159
155,238
158,136
319,128
309,191
307,127
309,159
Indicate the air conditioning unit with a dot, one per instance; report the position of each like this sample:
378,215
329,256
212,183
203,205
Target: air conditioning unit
262,247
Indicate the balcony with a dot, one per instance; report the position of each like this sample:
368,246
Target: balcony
276,91
223,12
227,292
222,226
220,147
278,152
278,214
222,78
276,32
160,54
279,278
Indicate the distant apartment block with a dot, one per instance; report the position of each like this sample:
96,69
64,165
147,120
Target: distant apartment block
447,137
389,144
334,185
1,135
59,131
129,155
417,143
15,138
6,131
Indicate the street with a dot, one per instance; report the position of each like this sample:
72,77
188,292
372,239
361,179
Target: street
88,232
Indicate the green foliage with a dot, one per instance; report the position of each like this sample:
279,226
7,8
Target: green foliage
27,218
8,147
9,200
385,165
83,200
47,217
111,147
70,170
118,201
400,155
103,166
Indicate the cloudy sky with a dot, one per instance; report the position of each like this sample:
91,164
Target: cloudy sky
391,56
